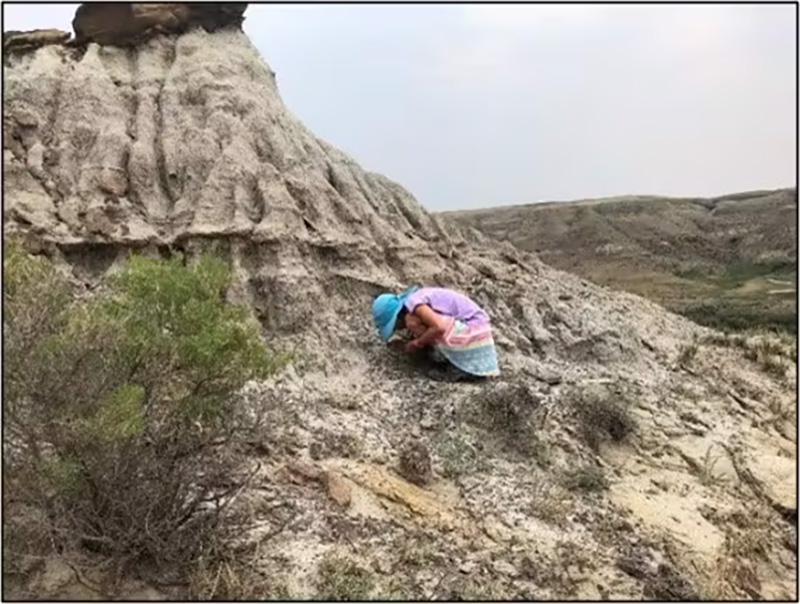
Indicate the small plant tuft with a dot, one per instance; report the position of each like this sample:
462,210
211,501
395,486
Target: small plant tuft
589,478
773,366
602,414
769,347
550,502
339,578
473,589
738,341
458,457
707,475
684,392
781,410
769,354
688,352
769,351
509,410
226,572
717,339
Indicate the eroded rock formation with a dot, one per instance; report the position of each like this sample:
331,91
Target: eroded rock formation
21,41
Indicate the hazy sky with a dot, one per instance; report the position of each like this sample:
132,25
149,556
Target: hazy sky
480,105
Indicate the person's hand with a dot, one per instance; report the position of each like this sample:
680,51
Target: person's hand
412,346
397,345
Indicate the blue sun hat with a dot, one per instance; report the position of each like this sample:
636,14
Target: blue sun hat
386,308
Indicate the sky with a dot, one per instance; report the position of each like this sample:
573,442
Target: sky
481,105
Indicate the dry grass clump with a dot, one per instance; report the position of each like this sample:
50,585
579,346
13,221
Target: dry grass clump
726,340
772,352
550,502
226,572
458,457
682,391
688,352
707,475
478,589
509,410
340,578
587,477
771,347
782,410
769,355
602,414
773,366
733,574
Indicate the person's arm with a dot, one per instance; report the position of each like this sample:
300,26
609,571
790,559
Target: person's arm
435,324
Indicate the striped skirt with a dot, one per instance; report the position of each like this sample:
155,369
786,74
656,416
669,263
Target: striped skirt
469,348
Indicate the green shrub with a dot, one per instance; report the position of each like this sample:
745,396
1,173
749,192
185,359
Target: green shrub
117,408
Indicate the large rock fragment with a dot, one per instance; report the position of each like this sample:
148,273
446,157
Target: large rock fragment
212,16
776,478
128,23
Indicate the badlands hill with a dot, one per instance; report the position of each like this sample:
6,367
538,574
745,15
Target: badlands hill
625,452
728,261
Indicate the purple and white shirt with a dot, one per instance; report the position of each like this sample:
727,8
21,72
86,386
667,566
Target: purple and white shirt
448,303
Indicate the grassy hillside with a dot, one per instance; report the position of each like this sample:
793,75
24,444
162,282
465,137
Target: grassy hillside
729,262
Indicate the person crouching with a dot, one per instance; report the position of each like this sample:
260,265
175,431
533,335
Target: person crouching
448,322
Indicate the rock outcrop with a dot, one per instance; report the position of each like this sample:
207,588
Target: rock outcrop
182,144
129,23
22,41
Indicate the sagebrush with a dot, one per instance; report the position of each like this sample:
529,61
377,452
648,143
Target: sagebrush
118,409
